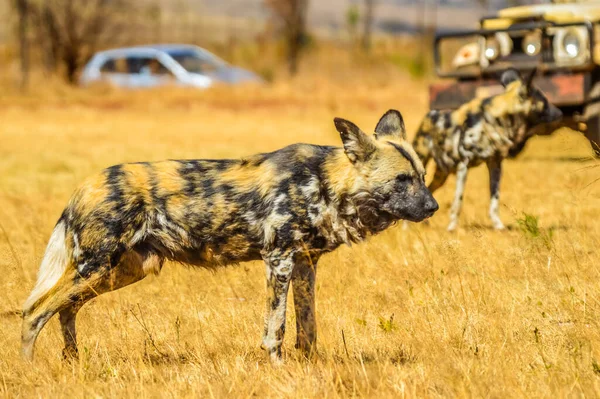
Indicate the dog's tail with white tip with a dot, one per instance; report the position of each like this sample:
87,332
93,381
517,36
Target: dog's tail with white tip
53,265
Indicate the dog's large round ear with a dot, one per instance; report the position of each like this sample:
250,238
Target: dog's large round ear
391,124
357,145
509,76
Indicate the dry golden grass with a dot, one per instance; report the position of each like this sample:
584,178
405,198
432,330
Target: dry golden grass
424,313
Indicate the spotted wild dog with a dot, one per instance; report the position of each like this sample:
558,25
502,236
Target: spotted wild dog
287,207
482,130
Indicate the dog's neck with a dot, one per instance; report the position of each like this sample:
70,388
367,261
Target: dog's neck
359,216
515,128
348,215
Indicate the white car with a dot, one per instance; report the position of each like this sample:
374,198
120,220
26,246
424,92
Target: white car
157,65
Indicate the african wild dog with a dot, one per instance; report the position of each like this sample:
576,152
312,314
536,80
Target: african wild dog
286,207
482,130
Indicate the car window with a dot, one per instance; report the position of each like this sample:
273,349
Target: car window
134,65
196,62
108,67
114,65
146,65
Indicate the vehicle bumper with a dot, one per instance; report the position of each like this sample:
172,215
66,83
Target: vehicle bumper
562,90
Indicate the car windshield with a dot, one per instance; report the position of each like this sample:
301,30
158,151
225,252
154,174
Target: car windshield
197,62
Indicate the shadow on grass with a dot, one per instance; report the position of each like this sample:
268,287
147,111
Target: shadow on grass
530,158
161,359
10,313
397,357
190,356
512,227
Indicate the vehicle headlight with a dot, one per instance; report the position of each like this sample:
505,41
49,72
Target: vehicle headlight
467,55
506,43
571,44
492,49
532,44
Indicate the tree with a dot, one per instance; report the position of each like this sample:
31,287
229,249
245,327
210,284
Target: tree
352,20
22,8
368,25
71,30
291,15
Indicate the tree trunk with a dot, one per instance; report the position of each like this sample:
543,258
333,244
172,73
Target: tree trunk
368,25
293,54
72,46
423,32
292,15
296,34
23,12
71,60
53,44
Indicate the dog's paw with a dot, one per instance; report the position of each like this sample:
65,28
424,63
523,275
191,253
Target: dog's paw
452,226
499,225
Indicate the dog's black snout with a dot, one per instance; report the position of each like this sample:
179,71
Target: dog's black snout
557,113
554,114
431,206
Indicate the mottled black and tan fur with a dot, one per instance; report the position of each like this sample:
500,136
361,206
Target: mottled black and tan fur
286,207
482,131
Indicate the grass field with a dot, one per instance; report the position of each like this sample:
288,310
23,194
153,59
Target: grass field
417,313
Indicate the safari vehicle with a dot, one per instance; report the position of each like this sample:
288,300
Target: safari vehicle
561,40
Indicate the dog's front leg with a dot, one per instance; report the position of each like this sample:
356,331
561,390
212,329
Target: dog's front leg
303,282
495,171
461,179
279,268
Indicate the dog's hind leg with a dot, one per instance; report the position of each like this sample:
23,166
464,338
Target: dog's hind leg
67,318
65,296
461,179
33,322
71,292
132,267
303,284
494,166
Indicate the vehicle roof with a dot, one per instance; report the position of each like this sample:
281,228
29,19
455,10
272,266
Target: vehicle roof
169,47
566,12
151,48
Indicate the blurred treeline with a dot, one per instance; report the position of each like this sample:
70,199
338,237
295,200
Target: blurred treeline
57,37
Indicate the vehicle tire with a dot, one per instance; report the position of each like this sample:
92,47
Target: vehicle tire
593,133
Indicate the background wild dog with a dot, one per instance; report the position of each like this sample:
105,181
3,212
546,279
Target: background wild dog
286,207
482,130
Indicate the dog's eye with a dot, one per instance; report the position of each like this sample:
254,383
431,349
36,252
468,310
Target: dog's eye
404,178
